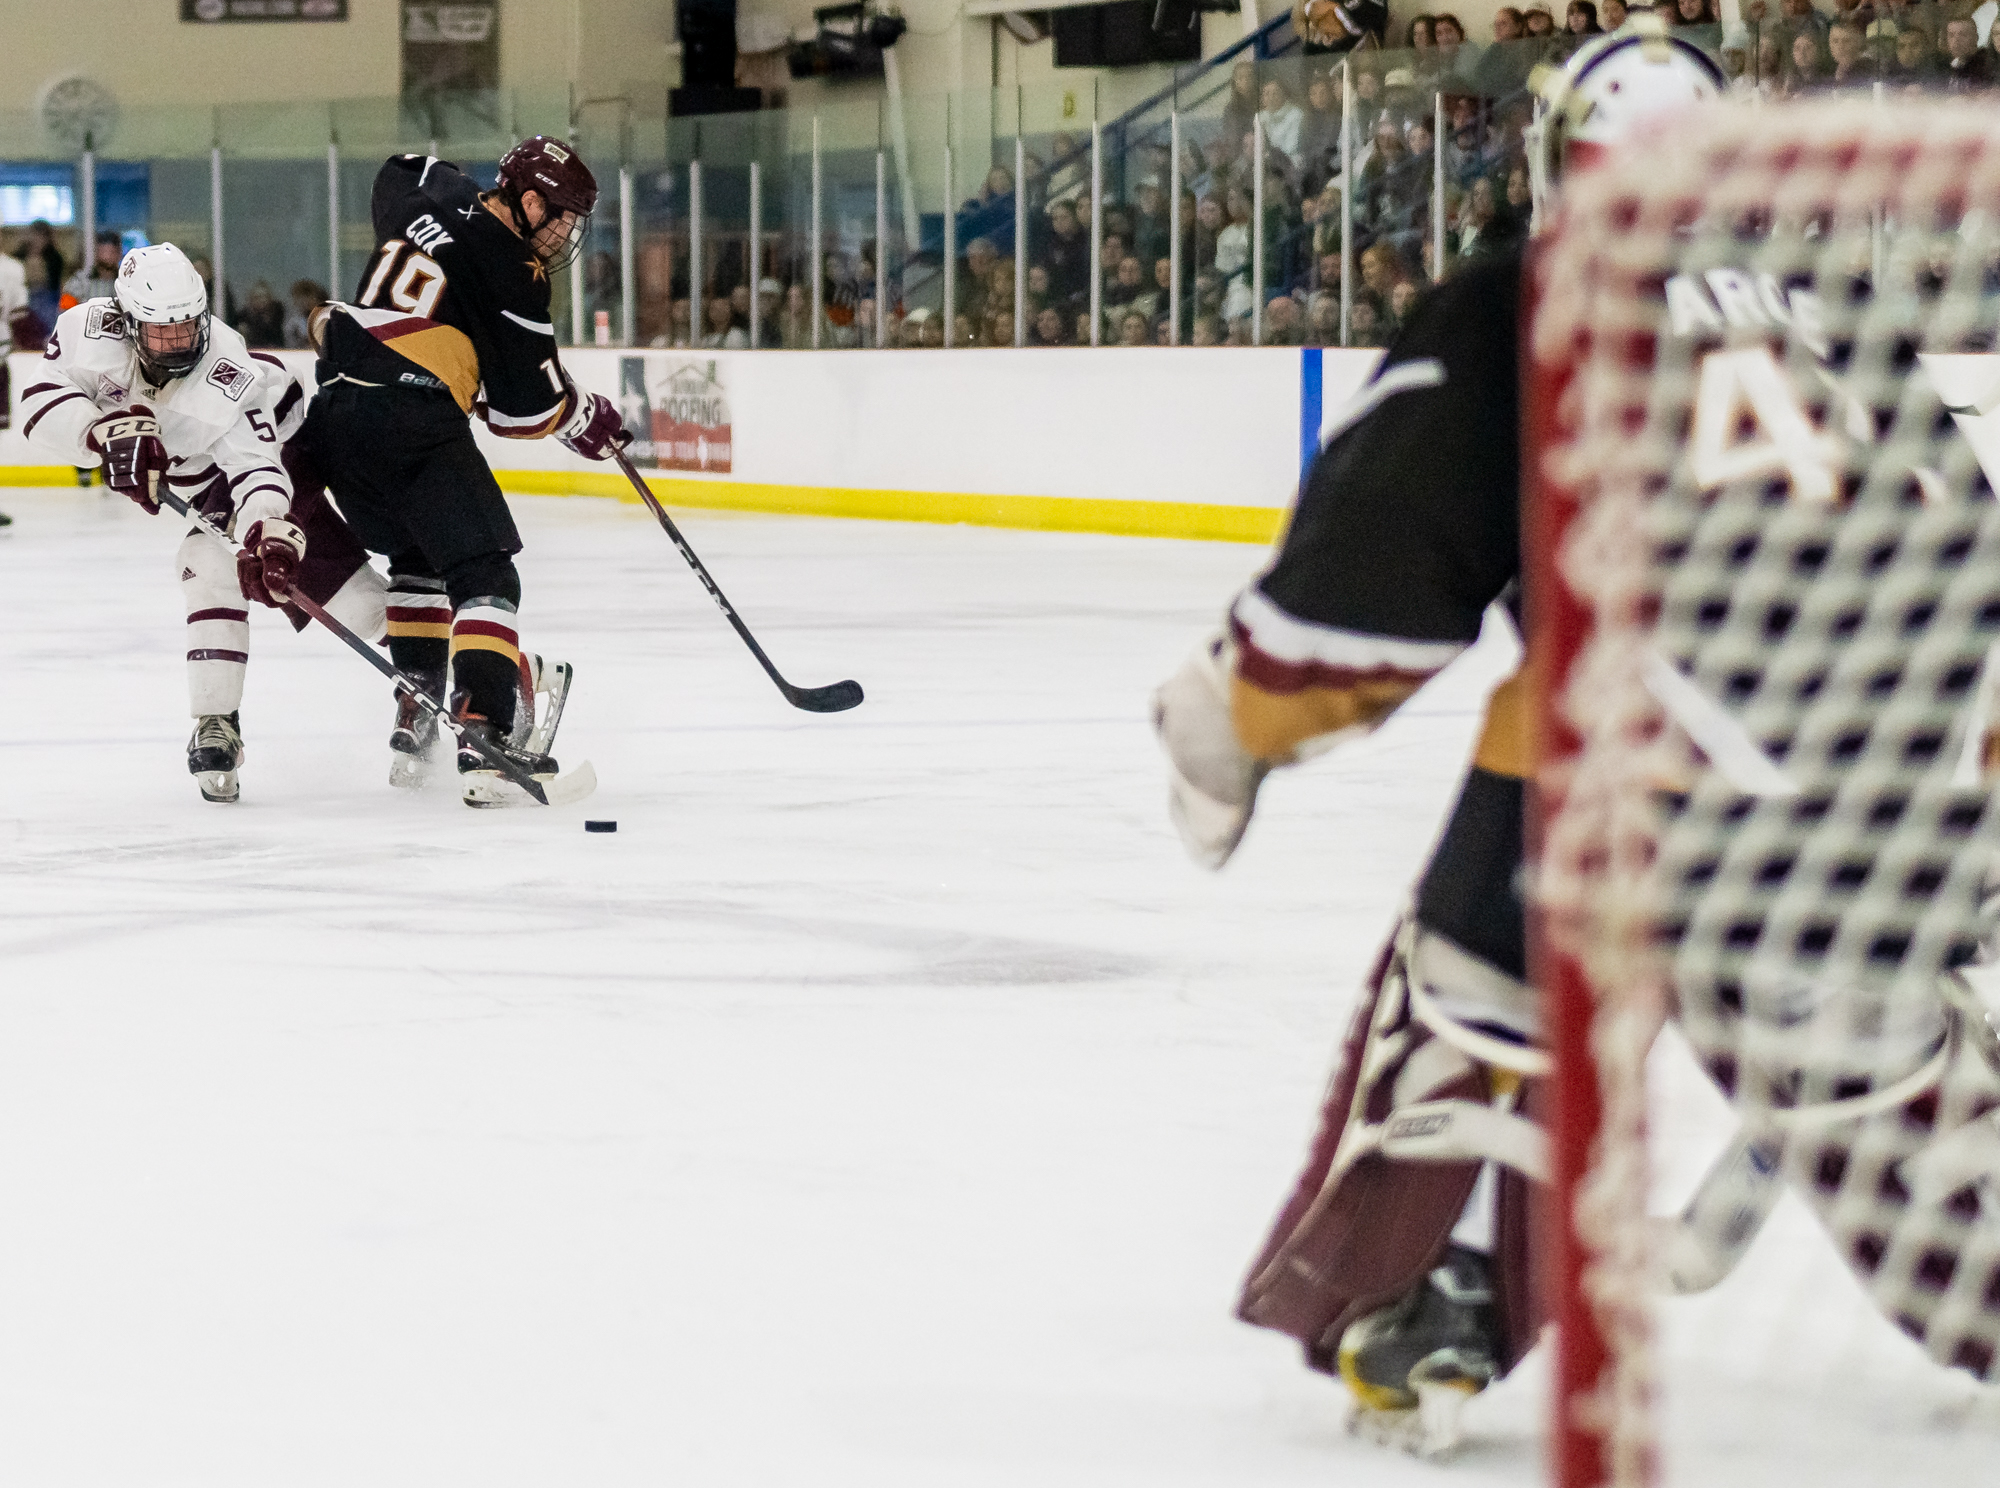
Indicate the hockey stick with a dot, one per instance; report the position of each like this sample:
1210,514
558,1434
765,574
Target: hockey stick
366,652
835,697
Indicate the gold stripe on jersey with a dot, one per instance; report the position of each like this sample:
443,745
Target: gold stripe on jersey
442,351
1272,725
1507,739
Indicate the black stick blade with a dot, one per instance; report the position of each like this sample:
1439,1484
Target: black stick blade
835,697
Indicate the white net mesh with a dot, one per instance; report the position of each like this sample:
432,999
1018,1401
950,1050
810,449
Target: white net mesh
1770,344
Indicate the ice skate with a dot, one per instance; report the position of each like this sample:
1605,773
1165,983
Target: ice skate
487,786
1413,1364
536,722
413,737
214,754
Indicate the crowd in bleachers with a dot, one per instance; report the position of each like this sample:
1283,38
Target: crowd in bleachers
1783,49
53,286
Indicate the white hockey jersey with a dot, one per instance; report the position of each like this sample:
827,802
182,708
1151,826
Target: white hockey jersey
224,424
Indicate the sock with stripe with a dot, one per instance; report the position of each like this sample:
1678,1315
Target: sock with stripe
486,659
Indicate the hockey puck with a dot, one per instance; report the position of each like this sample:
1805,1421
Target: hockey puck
600,826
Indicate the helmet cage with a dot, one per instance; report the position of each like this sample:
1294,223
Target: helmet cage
168,348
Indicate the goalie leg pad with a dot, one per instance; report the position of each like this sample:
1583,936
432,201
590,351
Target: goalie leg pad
1408,1122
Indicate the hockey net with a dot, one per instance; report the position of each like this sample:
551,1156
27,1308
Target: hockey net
1763,586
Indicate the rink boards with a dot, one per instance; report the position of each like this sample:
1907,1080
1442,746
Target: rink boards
1193,443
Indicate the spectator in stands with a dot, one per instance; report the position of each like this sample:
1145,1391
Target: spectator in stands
1134,329
1066,254
1450,34
1611,14
1580,20
1538,20
1401,298
997,187
1282,323
1000,328
1283,120
1420,39
1128,291
1209,221
97,279
1207,331
42,268
306,297
262,323
1502,69
1520,191
795,319
1916,63
1769,72
1241,106
1038,287
1151,232
1485,229
1326,270
1048,328
1968,67
1323,319
1364,321
1083,324
1693,13
1232,244
1852,66
1808,64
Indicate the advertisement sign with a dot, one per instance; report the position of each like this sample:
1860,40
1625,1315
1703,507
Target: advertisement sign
208,12
676,409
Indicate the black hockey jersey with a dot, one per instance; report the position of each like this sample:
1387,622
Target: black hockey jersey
1408,527
451,299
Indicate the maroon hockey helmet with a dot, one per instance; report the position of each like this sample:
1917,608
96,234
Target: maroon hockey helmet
557,172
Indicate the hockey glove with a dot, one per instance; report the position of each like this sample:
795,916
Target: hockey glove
128,441
268,566
595,429
1212,781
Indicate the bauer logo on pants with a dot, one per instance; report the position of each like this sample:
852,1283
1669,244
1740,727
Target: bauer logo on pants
677,412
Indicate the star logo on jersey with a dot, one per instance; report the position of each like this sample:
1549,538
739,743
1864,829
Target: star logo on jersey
538,269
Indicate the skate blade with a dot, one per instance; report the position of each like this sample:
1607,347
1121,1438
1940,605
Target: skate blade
552,684
409,771
1432,1429
485,790
218,785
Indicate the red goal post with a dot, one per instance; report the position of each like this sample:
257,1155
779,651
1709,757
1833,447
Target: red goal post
1762,576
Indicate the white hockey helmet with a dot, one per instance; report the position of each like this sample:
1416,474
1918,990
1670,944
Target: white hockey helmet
1608,88
166,310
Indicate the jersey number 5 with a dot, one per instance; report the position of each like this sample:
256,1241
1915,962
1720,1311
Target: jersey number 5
414,290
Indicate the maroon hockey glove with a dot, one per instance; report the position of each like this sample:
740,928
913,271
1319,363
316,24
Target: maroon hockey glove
128,440
595,429
268,566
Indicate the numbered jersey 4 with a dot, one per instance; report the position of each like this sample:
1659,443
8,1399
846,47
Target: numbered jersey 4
453,299
223,424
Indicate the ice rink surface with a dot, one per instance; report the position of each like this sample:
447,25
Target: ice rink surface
888,1102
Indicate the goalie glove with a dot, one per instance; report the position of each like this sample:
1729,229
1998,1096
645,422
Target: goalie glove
268,566
595,429
128,441
1212,781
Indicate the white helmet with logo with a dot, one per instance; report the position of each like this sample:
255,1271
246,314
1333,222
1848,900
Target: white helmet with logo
1607,89
166,310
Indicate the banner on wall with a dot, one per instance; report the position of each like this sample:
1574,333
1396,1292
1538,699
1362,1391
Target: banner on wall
677,411
209,12
450,48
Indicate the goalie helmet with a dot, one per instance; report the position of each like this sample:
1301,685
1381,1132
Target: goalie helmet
165,306
1610,87
557,173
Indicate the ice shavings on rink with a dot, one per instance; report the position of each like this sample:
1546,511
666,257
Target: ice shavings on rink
887,1103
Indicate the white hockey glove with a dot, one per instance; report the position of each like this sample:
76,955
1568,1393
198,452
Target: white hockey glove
1212,781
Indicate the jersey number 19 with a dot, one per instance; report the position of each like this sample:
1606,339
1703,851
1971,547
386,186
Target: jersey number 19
414,290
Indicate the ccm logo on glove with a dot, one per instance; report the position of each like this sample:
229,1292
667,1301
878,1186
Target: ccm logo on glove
128,441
